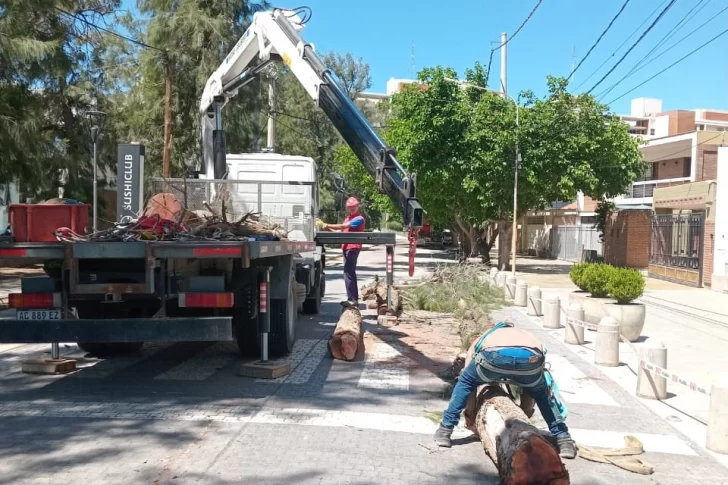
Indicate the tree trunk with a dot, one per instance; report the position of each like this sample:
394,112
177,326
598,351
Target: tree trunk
345,341
471,248
504,245
522,454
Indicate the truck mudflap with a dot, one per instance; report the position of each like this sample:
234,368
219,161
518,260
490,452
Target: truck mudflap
193,329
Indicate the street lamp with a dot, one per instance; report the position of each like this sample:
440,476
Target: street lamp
97,119
518,163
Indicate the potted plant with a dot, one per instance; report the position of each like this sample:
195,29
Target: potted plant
576,274
626,285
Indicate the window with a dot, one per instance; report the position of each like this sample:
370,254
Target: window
652,131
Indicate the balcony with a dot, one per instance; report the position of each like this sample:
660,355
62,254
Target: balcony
640,193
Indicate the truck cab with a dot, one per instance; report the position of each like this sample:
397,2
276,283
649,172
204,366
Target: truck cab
283,190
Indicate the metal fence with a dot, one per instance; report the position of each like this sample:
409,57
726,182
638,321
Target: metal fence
569,242
290,205
677,240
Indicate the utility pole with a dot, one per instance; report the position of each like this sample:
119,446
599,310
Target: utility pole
166,151
573,64
272,114
504,63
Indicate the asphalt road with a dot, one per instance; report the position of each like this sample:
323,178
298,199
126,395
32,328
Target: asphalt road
180,414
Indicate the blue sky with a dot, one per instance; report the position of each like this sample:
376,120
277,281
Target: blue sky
457,35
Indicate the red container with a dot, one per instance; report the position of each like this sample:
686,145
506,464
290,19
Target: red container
39,222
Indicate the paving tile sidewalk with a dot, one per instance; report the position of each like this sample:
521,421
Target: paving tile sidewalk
602,419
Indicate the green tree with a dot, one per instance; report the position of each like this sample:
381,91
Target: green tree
50,72
462,145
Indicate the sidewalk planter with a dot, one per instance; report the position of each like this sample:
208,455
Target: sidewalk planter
610,292
631,317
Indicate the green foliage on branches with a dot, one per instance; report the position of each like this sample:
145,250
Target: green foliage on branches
601,280
462,145
603,209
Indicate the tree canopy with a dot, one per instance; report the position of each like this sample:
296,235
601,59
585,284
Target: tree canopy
461,141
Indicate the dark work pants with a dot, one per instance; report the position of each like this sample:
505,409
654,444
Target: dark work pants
350,258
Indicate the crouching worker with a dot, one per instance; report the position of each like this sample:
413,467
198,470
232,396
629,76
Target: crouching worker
507,355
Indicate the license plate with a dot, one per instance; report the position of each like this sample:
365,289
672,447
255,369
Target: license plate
38,314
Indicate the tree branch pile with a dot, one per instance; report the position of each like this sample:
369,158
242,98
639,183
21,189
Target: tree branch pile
375,296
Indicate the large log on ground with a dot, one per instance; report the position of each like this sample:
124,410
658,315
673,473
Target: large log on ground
522,454
345,341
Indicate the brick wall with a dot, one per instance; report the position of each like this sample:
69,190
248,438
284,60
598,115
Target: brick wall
627,238
708,246
671,169
706,164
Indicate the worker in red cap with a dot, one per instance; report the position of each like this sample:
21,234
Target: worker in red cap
354,222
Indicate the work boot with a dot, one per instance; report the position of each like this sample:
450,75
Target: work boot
567,447
350,304
442,437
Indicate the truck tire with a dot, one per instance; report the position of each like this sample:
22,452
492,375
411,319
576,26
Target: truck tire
283,319
312,304
109,349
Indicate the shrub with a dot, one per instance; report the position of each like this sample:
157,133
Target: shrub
596,278
577,274
626,285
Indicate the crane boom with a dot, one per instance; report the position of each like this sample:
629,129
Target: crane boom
274,36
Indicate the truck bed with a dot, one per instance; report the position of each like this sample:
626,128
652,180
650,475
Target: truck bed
156,249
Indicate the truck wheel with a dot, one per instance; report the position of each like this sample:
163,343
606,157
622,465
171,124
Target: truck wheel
109,349
283,318
312,304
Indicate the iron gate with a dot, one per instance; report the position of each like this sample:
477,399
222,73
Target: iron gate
676,247
568,242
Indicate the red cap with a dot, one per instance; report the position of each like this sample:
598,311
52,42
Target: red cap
352,202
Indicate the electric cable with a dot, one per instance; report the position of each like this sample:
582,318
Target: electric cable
659,17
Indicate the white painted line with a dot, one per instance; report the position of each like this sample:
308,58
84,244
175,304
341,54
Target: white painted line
653,443
203,365
244,414
384,369
11,359
575,386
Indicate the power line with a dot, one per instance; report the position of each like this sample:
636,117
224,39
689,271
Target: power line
91,24
624,5
520,27
620,46
671,65
523,24
668,49
664,11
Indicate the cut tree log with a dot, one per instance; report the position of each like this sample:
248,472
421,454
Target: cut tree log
522,454
345,341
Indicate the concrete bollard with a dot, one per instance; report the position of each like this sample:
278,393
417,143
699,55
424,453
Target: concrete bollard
607,345
717,439
533,306
651,385
500,279
509,290
574,334
521,297
552,312
493,274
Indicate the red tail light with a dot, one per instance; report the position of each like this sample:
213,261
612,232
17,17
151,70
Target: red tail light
206,300
34,300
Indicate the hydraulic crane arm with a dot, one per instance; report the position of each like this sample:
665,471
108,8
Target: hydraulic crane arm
272,36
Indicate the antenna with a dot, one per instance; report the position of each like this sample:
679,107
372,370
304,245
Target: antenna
412,61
